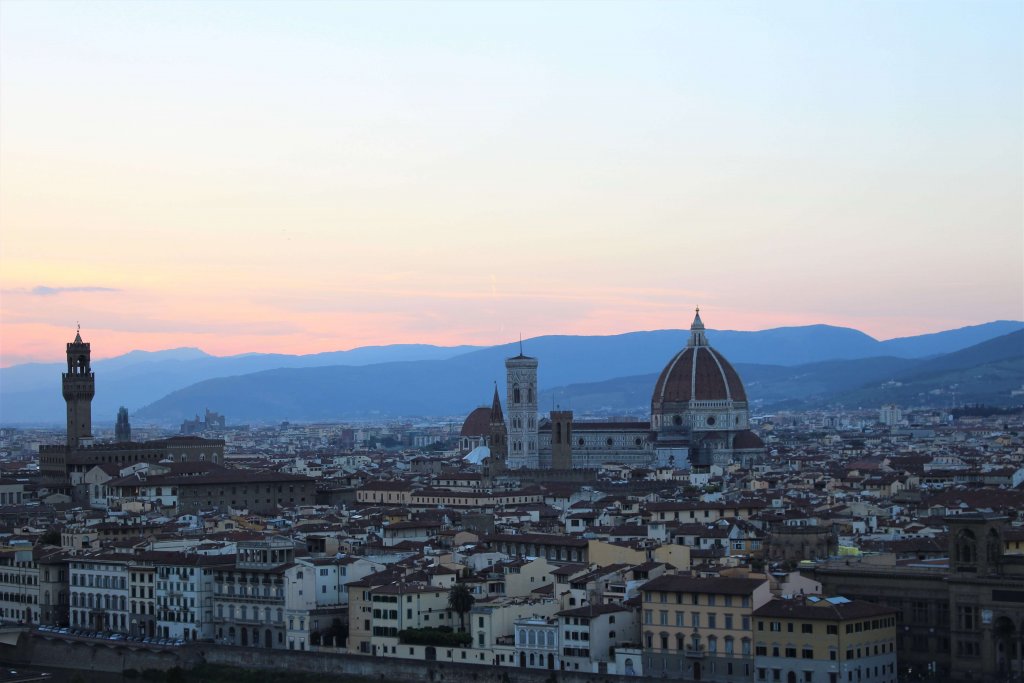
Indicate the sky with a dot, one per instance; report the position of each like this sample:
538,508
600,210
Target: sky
299,177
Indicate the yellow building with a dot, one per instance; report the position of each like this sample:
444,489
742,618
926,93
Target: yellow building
824,640
700,628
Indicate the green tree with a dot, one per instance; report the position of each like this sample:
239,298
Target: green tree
460,601
51,537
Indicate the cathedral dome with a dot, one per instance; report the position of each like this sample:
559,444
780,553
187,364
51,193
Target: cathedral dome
478,423
698,373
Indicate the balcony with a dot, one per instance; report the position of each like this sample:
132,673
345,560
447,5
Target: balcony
695,652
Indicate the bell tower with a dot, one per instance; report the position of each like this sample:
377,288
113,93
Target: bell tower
79,386
521,401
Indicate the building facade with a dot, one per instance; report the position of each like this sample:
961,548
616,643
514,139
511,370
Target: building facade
832,640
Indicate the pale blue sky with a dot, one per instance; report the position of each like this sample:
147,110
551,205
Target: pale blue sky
461,172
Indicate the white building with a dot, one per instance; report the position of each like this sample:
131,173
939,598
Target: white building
19,586
99,592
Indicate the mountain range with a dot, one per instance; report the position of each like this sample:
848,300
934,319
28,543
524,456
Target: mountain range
783,367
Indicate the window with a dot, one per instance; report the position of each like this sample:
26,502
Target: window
806,628
966,618
807,653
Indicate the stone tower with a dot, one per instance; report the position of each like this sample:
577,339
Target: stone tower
79,386
496,463
561,439
499,430
521,400
123,429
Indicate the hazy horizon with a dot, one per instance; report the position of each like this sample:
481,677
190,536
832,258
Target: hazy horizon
96,355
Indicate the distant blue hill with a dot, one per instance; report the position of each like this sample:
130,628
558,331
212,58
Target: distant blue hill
984,373
456,385
31,394
168,386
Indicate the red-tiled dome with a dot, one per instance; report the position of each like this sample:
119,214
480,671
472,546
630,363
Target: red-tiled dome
698,373
478,423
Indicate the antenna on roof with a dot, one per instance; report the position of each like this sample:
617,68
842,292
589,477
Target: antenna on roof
520,343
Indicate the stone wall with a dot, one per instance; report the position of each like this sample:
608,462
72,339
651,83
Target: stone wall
104,656
95,655
384,669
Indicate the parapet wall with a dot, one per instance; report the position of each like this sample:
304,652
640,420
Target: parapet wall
103,656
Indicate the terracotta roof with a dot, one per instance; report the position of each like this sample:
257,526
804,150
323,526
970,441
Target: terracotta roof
822,609
689,584
698,373
592,611
478,423
747,439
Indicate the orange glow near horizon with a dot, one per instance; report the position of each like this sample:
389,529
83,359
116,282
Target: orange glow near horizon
251,177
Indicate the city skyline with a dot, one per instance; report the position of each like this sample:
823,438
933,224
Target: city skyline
321,176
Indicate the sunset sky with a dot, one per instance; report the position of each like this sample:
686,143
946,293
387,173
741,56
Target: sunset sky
301,177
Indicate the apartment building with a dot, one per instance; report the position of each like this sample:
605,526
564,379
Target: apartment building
100,591
249,597
19,585
831,640
700,628
590,634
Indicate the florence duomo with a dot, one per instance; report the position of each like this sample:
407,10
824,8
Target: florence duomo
699,418
391,365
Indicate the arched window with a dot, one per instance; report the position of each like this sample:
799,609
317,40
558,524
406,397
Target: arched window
994,548
966,547
533,638
529,395
515,393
